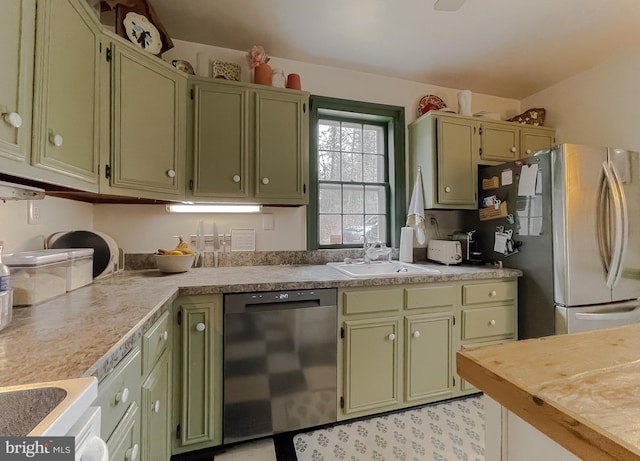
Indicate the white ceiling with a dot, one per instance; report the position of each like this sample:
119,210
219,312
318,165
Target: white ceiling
509,48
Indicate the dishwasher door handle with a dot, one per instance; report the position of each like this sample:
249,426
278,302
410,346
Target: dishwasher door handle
266,307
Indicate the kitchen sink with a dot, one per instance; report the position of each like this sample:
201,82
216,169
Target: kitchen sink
45,409
381,269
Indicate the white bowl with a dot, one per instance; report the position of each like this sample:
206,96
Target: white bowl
174,263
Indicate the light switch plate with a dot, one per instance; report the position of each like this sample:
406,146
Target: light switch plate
33,212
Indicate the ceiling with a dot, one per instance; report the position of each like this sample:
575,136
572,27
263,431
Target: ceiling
509,48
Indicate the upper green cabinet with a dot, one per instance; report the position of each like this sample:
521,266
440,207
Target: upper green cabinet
448,148
148,125
249,144
17,31
443,148
66,93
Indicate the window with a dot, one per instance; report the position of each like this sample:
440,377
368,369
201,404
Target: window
357,177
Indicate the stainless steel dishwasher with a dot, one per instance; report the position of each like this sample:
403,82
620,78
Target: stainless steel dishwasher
279,362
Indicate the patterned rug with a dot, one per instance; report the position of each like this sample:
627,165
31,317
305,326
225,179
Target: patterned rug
448,431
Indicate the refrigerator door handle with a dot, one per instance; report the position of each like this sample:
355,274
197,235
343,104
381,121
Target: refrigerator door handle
625,314
624,228
614,267
602,222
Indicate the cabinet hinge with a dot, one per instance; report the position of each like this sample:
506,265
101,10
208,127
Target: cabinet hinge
178,432
480,130
341,333
191,93
304,107
304,188
180,317
454,381
191,184
107,171
108,55
480,150
454,319
341,402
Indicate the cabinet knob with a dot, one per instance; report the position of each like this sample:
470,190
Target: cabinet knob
164,335
171,173
156,406
123,395
447,189
513,149
528,151
13,119
132,453
493,293
200,326
492,322
236,178
392,337
56,139
416,334
265,181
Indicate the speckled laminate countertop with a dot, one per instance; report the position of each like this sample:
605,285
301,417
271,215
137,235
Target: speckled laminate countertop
87,331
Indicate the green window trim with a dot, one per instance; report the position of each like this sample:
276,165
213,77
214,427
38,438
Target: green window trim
393,116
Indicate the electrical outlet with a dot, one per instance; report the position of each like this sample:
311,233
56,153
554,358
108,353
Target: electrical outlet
33,212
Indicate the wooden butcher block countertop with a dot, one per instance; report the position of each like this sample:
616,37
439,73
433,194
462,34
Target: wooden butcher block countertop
581,390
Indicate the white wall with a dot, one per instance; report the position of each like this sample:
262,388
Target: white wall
600,106
144,228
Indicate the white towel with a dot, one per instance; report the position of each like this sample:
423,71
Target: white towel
415,214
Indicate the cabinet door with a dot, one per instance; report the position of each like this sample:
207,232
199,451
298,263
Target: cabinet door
532,140
220,141
281,147
156,398
124,443
199,374
148,118
499,143
428,355
67,92
371,364
17,37
457,177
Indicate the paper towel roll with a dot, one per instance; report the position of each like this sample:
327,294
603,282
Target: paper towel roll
406,245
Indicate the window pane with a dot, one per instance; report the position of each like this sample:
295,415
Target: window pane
375,228
352,167
353,199
351,137
372,139
330,198
374,200
328,166
329,229
373,166
329,135
353,229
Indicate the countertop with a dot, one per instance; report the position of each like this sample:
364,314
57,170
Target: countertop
87,331
581,390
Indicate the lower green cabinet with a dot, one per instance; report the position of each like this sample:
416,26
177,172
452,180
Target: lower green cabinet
371,364
156,423
124,443
197,382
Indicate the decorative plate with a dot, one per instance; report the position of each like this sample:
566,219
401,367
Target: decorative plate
430,102
142,32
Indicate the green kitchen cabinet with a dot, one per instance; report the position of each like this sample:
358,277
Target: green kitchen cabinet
249,144
17,39
66,124
428,352
499,142
155,412
124,444
148,126
533,139
443,148
197,365
371,364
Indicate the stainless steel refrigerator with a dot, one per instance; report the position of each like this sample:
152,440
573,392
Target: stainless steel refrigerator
569,218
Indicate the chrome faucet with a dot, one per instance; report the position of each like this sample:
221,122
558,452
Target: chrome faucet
374,250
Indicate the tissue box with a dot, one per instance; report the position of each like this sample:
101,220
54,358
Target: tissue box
226,70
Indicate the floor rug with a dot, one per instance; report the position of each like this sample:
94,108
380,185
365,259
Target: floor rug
451,431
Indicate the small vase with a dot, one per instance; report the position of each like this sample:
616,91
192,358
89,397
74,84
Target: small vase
263,74
293,82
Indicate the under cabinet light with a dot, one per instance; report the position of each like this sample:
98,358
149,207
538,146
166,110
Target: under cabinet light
211,208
